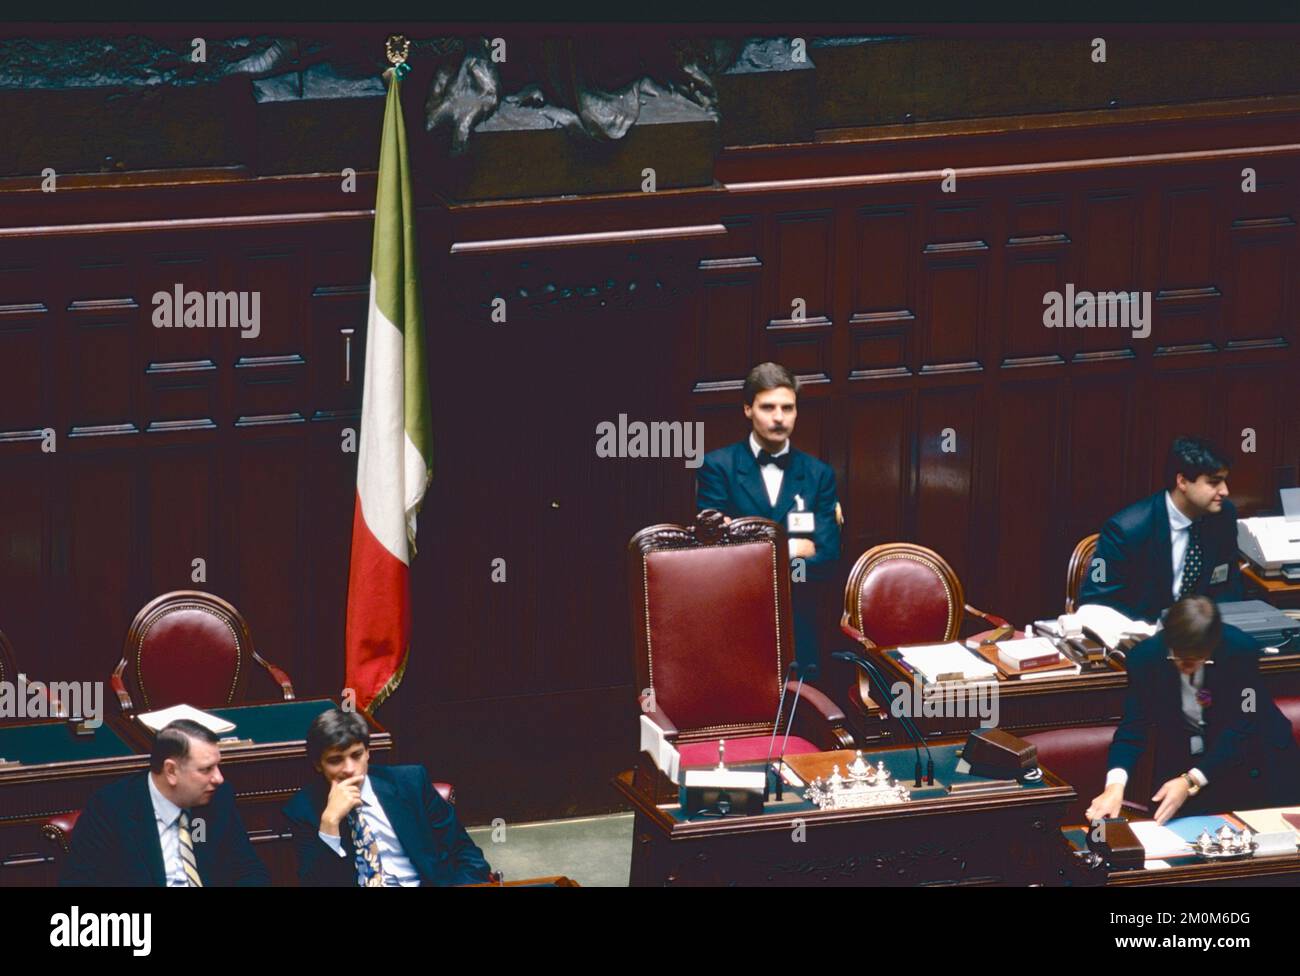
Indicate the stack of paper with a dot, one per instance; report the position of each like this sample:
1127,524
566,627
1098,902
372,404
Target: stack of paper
946,662
1158,841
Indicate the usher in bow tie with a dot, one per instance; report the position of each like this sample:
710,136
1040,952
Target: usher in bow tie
781,461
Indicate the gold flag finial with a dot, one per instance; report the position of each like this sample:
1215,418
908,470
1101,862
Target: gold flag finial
396,49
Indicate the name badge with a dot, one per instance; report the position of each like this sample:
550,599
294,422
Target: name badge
1220,574
800,522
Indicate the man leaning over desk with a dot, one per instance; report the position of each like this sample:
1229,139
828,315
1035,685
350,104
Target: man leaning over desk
1194,696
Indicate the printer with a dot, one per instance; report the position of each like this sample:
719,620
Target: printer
1272,543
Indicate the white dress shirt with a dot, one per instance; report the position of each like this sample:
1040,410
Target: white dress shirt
167,816
1179,534
397,867
772,475
1193,713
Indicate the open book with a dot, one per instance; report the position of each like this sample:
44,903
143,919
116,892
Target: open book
1110,626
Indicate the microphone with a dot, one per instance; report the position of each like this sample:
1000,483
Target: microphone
909,728
776,728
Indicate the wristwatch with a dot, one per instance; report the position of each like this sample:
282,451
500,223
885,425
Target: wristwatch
1193,787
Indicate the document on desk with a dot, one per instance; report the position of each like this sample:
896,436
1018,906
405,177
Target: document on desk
1159,842
946,662
156,721
1271,821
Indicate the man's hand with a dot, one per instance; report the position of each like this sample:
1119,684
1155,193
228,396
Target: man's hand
345,796
1171,796
1106,805
802,548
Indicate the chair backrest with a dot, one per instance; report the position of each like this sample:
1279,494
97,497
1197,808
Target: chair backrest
710,613
8,660
901,593
186,646
1078,756
1080,560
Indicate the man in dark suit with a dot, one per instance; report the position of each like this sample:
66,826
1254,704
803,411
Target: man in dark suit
1173,544
764,475
374,826
174,826
1194,695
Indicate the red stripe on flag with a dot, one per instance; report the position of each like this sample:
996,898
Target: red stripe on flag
379,613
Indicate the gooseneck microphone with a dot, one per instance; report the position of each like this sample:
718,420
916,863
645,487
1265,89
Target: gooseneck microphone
912,732
776,729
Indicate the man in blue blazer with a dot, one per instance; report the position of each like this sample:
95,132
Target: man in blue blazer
1178,542
174,826
374,826
764,475
1194,695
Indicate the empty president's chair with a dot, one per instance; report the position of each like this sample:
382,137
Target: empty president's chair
711,616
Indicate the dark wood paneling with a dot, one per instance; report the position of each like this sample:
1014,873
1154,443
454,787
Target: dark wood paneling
924,312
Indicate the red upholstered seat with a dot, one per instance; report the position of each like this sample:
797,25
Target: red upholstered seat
189,647
749,749
711,616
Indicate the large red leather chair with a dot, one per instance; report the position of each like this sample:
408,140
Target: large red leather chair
902,593
711,617
189,647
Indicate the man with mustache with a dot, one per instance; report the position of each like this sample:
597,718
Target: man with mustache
764,475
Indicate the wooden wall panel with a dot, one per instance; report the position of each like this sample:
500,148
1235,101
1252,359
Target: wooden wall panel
924,312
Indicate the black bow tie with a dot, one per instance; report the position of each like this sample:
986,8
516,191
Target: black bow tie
782,461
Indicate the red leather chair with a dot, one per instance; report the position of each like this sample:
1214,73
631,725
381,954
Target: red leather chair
711,617
1080,560
190,647
902,593
1078,756
58,831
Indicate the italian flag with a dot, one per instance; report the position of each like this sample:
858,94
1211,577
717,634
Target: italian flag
394,461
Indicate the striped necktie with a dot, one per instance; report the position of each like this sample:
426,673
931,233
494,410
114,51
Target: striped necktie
1191,562
187,851
370,873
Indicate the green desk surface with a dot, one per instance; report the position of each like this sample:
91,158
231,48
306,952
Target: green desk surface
275,722
51,742
900,762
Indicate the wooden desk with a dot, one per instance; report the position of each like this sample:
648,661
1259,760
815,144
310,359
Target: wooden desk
996,838
1279,870
1278,592
59,771
1032,706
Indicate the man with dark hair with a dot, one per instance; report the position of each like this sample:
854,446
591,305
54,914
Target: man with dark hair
174,826
1179,542
1194,695
374,826
764,475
